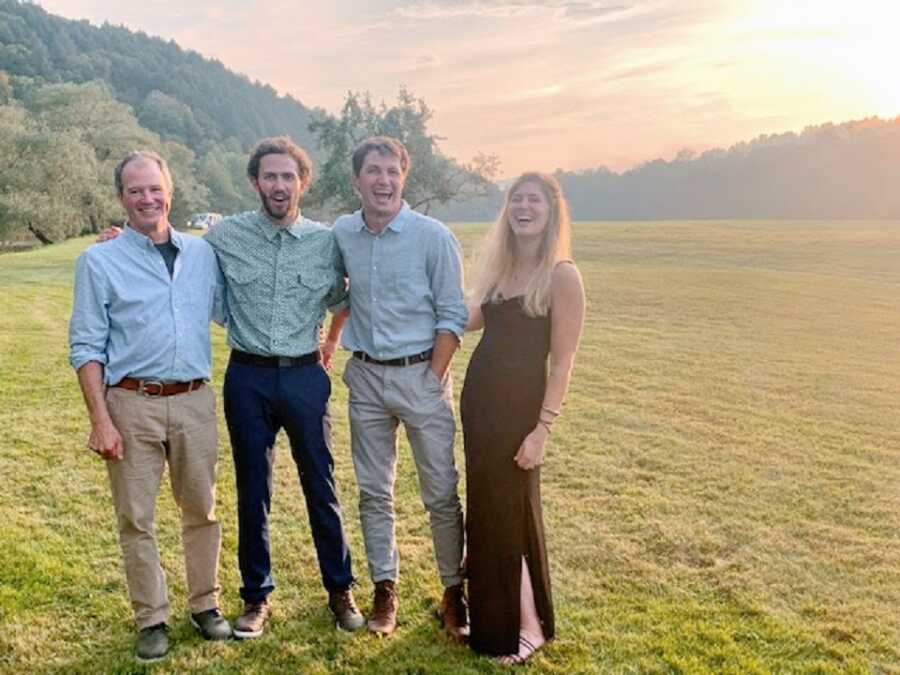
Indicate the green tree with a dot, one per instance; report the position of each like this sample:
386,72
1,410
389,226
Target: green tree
224,172
57,156
434,178
170,118
12,129
190,194
52,189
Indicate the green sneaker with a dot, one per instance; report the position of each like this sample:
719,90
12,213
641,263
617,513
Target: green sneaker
152,643
211,624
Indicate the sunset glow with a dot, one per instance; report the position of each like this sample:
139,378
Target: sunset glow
557,84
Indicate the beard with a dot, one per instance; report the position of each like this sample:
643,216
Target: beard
277,212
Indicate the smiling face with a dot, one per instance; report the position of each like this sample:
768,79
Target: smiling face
279,187
528,211
380,185
146,196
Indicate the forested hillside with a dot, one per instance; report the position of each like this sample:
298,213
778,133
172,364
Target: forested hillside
174,92
75,97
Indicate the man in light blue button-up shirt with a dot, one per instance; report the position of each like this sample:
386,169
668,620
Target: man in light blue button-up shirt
407,316
139,340
135,320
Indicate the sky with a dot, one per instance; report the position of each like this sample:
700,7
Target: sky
555,84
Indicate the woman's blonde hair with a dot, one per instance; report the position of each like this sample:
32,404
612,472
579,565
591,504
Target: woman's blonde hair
496,260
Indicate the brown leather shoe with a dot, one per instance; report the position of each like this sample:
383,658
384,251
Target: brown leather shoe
250,624
343,606
454,613
383,619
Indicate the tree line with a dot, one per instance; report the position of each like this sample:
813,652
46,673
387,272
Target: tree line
59,144
827,171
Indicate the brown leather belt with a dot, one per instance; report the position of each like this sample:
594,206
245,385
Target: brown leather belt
156,388
402,361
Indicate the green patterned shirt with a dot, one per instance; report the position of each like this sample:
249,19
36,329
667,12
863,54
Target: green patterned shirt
279,282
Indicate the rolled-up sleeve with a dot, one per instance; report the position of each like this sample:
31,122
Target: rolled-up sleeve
445,273
89,324
339,297
220,297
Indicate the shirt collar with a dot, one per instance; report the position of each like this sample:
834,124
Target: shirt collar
270,230
136,238
396,224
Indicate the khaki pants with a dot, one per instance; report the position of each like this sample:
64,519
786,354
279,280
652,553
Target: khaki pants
180,430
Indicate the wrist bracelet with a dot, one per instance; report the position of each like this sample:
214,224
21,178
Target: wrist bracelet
551,411
547,425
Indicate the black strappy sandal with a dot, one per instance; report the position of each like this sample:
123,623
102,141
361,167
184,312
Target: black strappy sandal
519,658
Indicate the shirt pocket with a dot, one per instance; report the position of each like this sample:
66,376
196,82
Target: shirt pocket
316,282
245,286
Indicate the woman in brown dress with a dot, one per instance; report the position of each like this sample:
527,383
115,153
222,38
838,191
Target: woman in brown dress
529,299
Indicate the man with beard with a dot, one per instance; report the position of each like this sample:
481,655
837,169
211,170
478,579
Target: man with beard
282,272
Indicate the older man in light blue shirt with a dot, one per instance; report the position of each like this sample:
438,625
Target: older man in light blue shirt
139,340
407,315
135,326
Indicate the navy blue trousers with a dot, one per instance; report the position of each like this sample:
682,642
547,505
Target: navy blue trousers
259,402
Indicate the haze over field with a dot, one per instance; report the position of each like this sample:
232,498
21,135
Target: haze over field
556,84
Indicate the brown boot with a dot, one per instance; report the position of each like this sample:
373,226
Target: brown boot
343,606
454,613
383,618
251,623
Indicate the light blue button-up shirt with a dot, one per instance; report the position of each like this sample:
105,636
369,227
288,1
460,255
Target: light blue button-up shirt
130,316
405,283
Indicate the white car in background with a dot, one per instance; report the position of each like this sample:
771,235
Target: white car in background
204,221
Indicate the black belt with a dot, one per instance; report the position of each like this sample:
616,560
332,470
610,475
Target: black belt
402,361
275,361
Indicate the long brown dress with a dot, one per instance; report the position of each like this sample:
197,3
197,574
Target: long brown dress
501,400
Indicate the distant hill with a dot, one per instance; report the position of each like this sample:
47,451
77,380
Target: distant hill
174,92
847,170
843,170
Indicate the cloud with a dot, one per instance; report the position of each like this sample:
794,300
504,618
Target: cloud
589,12
562,10
429,10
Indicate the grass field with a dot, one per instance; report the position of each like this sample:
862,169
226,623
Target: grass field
722,493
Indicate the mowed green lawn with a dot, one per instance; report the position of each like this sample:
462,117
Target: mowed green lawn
722,493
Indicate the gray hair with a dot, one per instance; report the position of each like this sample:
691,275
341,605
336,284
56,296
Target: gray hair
141,154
